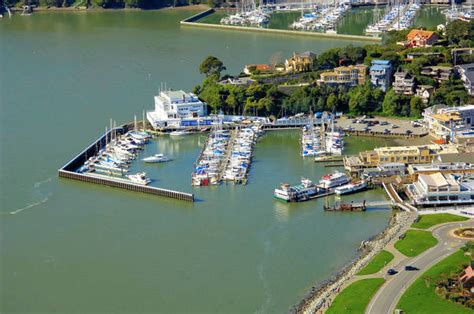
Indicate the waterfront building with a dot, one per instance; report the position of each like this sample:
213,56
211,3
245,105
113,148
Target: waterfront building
300,62
385,170
177,108
439,73
445,122
424,92
441,189
388,157
351,75
420,38
404,83
381,74
466,72
441,167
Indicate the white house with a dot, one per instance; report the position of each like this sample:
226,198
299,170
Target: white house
176,108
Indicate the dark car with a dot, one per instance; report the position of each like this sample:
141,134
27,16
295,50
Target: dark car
410,268
392,272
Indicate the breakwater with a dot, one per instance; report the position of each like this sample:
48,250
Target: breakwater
319,296
191,21
68,171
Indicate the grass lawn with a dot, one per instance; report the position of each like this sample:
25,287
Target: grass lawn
427,221
377,263
415,242
421,296
356,297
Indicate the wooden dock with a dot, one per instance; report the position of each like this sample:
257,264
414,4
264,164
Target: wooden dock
68,171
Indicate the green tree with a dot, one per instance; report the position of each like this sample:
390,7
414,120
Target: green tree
390,103
331,102
211,65
459,30
416,106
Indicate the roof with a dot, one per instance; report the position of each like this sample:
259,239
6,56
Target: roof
379,67
307,54
381,62
457,157
468,70
436,179
421,34
448,116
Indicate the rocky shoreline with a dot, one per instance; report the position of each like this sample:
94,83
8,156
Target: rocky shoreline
319,295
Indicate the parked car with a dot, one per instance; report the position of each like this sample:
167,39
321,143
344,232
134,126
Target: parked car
410,268
392,272
395,126
383,123
409,132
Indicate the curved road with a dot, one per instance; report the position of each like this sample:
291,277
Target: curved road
389,294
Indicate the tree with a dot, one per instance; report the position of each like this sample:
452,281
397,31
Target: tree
390,103
458,30
331,102
211,65
416,106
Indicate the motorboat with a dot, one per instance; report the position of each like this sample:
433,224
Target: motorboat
179,133
139,178
156,158
351,188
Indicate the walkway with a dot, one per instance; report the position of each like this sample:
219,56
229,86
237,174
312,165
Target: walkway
390,293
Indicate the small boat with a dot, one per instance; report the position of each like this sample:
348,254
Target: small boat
139,178
351,188
156,158
179,133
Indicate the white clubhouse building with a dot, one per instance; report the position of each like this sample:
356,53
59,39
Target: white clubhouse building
177,109
442,189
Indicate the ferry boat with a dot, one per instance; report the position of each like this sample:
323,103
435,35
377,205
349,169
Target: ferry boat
333,180
297,193
139,178
351,188
156,158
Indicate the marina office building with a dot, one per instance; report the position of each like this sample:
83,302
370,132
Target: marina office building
178,109
441,189
446,122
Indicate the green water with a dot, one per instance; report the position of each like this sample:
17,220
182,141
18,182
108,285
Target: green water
430,17
82,248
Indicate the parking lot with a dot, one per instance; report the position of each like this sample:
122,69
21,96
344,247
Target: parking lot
380,126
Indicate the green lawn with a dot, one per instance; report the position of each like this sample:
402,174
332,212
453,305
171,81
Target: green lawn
415,242
356,297
421,296
427,221
377,263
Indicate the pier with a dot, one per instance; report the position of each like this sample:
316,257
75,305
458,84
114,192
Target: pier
68,171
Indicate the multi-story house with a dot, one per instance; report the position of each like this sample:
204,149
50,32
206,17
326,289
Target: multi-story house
381,74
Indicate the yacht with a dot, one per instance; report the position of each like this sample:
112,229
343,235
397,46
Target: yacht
351,188
297,193
179,133
139,178
156,158
333,180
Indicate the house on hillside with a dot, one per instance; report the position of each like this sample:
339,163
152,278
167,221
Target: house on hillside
424,92
420,38
381,74
300,62
252,68
439,73
404,83
466,72
351,75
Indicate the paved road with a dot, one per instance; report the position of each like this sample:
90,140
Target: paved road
386,299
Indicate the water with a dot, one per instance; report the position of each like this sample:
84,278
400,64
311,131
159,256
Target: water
76,247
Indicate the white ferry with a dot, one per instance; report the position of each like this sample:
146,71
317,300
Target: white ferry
333,180
297,193
351,188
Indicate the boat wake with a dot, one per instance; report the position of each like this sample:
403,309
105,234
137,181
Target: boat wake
44,200
267,245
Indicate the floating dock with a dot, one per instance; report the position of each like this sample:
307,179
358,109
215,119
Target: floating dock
69,171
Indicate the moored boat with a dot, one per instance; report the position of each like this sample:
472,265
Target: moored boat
351,188
297,193
156,158
333,180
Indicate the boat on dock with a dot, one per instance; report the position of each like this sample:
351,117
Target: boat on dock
346,207
297,193
139,178
179,133
333,180
352,187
